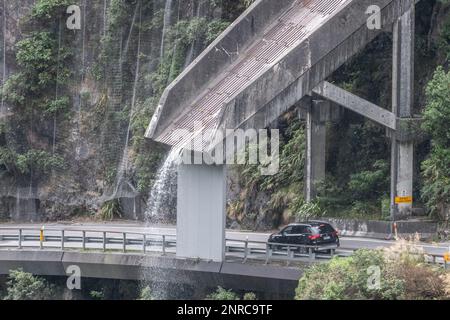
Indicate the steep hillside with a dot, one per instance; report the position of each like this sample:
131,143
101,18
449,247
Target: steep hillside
75,103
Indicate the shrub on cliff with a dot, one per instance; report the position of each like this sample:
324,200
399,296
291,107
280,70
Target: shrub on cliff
24,286
403,275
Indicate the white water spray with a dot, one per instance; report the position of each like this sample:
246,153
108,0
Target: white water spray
163,193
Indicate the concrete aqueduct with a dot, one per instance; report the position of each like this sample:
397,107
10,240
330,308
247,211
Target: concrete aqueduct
275,57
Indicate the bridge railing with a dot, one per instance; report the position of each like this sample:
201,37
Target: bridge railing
279,251
111,240
89,239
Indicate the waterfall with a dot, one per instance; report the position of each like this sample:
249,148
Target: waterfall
166,24
56,86
105,9
163,194
190,55
2,107
83,42
123,166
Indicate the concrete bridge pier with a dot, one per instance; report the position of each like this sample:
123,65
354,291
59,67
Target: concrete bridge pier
201,212
402,104
316,132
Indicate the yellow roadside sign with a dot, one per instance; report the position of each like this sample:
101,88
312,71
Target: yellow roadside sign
408,199
447,256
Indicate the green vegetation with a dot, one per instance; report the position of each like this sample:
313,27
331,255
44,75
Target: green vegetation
146,294
40,160
42,59
110,209
223,294
436,169
249,296
97,295
25,286
404,275
49,9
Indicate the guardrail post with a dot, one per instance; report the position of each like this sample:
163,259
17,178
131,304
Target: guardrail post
268,253
144,243
164,245
312,255
124,242
104,241
62,239
20,238
289,254
332,252
84,240
41,238
245,251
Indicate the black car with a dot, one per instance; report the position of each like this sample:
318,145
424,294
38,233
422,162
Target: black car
308,233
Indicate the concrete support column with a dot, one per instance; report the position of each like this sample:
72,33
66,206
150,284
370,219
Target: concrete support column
402,104
201,206
315,147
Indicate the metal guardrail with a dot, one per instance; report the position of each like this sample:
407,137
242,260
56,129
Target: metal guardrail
66,238
90,239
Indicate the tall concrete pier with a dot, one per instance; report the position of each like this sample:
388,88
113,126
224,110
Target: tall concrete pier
402,105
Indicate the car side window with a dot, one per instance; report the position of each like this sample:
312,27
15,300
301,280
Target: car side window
298,230
287,230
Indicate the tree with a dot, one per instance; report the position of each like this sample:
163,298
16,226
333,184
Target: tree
146,294
24,286
222,294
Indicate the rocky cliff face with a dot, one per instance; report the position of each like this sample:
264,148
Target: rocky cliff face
75,103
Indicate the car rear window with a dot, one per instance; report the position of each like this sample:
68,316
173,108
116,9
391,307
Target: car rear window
323,228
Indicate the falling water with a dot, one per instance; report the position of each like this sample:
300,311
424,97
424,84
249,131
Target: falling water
190,54
123,166
163,194
166,25
2,108
56,86
105,8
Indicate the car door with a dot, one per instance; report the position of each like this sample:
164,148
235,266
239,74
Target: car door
300,235
295,235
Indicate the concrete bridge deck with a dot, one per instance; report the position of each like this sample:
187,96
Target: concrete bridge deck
272,279
270,58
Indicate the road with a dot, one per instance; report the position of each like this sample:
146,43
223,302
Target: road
348,243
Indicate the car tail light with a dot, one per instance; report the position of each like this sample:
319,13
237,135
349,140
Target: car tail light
314,237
